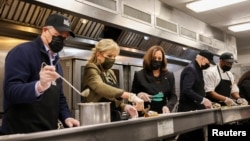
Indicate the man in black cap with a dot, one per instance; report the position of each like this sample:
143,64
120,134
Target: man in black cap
220,84
33,94
192,93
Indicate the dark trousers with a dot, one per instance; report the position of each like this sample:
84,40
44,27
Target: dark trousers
196,135
1,133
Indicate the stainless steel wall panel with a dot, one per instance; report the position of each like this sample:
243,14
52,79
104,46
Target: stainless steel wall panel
2,60
77,74
67,66
133,69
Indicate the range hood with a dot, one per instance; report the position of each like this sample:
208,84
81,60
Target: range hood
24,19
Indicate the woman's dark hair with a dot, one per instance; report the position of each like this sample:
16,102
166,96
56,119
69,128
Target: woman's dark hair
149,56
245,76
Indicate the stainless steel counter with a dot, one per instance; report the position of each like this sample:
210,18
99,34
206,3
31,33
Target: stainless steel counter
133,129
140,129
232,114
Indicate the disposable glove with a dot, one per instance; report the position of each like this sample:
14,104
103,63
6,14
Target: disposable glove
144,96
135,99
131,110
207,103
229,102
165,110
139,103
241,101
85,93
47,75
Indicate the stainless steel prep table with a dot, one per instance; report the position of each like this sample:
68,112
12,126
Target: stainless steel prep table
134,129
150,128
232,114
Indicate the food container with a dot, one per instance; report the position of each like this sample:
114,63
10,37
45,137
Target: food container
94,113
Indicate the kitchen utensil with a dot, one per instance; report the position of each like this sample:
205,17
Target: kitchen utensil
158,97
70,85
66,81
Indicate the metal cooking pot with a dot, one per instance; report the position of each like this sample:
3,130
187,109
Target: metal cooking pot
94,113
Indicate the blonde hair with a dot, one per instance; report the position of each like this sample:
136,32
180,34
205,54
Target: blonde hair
102,46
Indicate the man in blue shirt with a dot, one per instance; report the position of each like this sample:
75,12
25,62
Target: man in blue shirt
33,93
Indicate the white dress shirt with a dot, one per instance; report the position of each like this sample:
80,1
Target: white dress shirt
52,58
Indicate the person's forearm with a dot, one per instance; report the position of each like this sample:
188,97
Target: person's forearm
235,95
216,96
125,95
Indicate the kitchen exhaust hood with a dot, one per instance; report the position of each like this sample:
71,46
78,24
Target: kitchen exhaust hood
24,19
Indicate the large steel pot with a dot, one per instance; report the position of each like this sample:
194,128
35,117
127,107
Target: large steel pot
94,113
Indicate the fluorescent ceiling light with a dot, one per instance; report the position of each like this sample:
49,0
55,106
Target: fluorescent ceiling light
204,5
239,27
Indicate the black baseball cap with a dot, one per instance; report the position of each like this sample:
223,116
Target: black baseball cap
229,57
208,55
60,23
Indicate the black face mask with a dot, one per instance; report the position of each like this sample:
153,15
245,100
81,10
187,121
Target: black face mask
108,63
156,64
203,67
226,68
56,43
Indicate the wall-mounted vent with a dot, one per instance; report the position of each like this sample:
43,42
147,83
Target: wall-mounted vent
166,25
108,5
136,14
187,33
218,44
110,32
205,40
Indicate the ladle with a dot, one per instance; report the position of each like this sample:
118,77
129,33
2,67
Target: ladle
66,81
